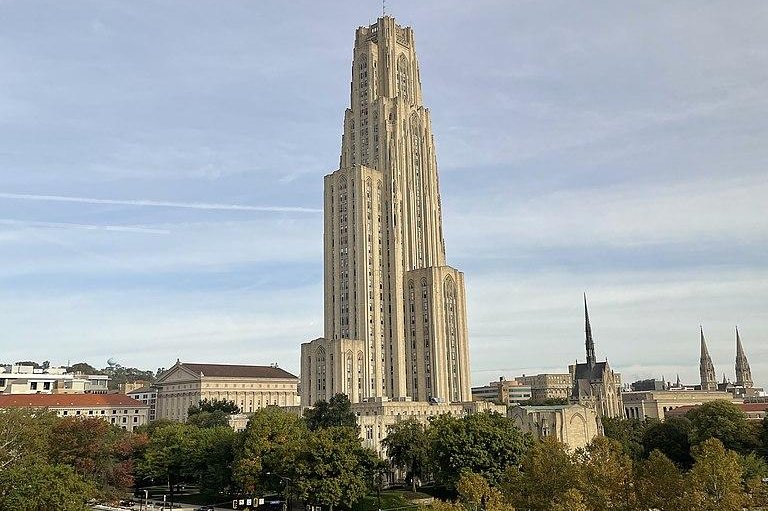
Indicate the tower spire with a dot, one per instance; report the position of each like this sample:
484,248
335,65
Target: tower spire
743,372
590,343
706,368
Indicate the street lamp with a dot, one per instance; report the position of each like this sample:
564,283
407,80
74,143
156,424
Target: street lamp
283,478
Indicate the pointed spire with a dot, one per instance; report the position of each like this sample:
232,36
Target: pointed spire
678,380
706,368
590,343
743,371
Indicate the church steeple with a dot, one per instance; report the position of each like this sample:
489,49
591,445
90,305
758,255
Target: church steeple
706,368
590,343
743,372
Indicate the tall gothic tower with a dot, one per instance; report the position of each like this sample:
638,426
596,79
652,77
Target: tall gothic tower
395,313
706,368
595,384
743,372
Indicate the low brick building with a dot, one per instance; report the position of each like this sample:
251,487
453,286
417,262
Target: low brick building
117,409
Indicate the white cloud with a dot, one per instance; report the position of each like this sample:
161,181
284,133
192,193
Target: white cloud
624,215
158,204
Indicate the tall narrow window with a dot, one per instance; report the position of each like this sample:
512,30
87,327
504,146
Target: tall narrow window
320,368
403,77
451,331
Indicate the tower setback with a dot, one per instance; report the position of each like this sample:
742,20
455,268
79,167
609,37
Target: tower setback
395,314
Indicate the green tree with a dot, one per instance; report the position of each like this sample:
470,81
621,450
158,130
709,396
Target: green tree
407,445
715,479
671,437
211,413
441,505
332,468
168,456
119,375
606,476
659,484
268,449
83,367
476,494
214,419
28,363
484,443
336,412
211,458
571,500
40,486
546,471
725,421
24,434
152,426
755,469
97,451
214,405
628,433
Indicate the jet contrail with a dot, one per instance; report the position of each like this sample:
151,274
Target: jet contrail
88,227
161,204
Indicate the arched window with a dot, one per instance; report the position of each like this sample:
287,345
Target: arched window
403,77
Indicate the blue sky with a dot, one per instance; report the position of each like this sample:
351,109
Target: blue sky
161,173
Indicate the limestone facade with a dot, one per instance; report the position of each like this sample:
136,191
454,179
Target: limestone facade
116,409
375,417
655,404
548,385
595,384
389,294
598,387
574,425
148,396
502,391
249,387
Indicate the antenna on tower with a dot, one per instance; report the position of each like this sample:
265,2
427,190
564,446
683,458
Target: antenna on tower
383,7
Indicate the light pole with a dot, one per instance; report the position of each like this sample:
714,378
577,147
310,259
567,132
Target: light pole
283,478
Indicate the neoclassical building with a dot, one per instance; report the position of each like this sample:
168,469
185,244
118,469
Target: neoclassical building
595,384
395,313
249,387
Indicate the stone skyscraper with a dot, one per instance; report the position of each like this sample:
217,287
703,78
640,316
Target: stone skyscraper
395,313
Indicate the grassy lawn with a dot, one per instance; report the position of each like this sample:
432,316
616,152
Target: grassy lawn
389,499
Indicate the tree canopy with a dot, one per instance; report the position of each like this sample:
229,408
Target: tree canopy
483,443
407,445
328,414
725,421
